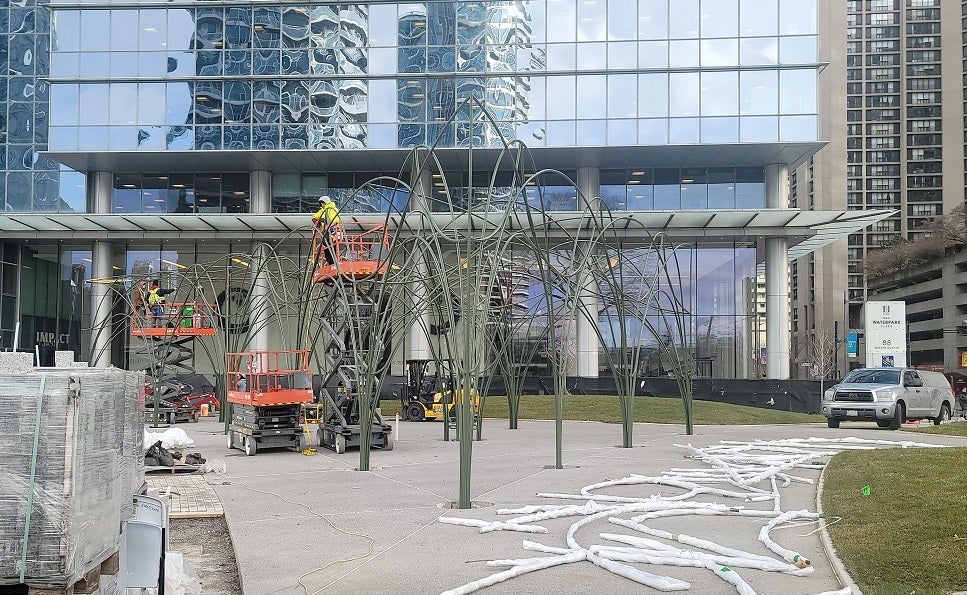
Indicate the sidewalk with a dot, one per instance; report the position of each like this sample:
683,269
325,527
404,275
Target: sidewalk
345,531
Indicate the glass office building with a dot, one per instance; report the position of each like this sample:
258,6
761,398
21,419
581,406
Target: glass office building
135,130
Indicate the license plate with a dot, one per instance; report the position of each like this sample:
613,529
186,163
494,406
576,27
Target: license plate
852,413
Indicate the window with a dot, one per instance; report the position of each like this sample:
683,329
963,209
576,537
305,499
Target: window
919,210
883,184
922,125
884,18
923,56
882,100
881,59
881,115
924,112
882,156
923,14
921,154
883,46
883,170
874,74
881,32
882,129
921,140
882,5
890,142
886,88
923,70
930,97
883,198
923,41
924,181
917,84
925,167
923,28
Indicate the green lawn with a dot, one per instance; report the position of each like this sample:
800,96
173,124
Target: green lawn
909,535
647,409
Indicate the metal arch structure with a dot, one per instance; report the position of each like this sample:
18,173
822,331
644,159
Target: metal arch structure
452,266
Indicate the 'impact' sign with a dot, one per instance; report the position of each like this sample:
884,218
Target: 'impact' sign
886,334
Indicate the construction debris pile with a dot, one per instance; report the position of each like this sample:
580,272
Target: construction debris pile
71,457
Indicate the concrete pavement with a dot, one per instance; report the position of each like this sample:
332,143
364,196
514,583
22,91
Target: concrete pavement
318,521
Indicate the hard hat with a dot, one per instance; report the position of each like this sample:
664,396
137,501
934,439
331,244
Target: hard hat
324,199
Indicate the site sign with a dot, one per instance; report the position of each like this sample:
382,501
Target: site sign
852,344
886,334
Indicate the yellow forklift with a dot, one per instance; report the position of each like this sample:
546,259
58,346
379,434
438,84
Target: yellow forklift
427,391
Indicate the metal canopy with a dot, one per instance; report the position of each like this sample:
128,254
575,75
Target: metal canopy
807,231
452,159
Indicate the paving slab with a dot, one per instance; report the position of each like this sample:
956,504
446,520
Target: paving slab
189,495
314,524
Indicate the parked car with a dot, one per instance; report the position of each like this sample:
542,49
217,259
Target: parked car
889,396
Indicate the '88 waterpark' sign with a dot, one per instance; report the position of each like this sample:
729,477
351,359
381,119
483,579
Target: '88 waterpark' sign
886,334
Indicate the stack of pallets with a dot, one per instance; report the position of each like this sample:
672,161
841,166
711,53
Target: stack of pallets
71,458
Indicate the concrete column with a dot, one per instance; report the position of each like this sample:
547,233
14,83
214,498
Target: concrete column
586,318
418,341
589,185
260,192
259,307
777,278
422,189
585,337
100,189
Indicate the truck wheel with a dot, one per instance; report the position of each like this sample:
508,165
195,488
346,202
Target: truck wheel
171,418
899,414
229,439
340,444
415,412
388,445
194,416
832,422
944,416
250,446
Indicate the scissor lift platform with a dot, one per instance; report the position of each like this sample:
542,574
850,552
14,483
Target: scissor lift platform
267,390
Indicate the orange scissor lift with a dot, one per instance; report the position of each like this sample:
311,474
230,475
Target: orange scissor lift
267,390
359,260
170,336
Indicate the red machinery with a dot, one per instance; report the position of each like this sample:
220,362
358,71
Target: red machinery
168,345
178,319
356,256
267,390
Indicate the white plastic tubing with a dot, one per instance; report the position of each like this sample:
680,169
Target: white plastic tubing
746,473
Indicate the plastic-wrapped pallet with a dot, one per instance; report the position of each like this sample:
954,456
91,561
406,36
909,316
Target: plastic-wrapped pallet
132,448
65,475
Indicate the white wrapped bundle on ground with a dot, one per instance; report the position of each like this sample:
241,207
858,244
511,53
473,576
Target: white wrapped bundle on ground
67,464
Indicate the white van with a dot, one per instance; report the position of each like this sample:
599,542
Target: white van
889,396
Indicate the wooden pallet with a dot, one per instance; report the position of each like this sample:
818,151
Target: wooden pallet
89,583
178,467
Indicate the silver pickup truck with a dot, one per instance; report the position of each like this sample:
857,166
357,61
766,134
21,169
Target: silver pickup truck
889,396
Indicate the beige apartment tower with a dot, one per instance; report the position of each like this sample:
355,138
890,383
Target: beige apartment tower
892,105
